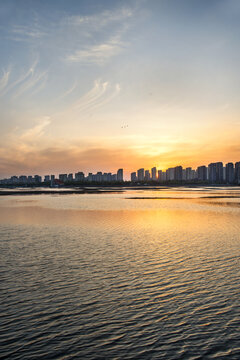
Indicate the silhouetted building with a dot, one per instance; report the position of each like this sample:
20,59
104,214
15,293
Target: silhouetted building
193,175
90,177
63,177
46,178
99,176
147,175
178,173
140,174
237,172
202,173
38,179
219,168
188,173
230,173
184,174
215,173
120,175
154,173
133,177
170,174
79,176
105,177
212,173
164,176
30,179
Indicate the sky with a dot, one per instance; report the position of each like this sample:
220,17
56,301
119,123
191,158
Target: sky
97,85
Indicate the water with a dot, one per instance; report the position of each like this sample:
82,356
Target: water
148,274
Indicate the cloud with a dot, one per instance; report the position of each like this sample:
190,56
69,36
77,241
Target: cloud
103,19
36,131
69,91
99,47
26,33
98,54
4,80
32,82
101,93
32,79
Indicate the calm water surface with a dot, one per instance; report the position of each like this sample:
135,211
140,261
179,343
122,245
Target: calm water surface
144,274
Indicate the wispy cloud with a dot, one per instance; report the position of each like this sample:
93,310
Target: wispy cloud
103,19
32,79
99,53
4,80
92,97
37,130
102,93
21,78
99,26
69,91
26,33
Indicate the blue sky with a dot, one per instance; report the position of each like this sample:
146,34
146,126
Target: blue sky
73,72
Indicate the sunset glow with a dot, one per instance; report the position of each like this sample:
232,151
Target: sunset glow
89,85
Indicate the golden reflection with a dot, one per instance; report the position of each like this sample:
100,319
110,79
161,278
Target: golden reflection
154,219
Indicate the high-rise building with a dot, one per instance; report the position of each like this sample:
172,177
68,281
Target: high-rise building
178,173
212,173
38,179
170,174
219,170
215,173
90,177
134,177
147,176
46,178
237,172
105,177
159,175
140,174
230,173
184,174
188,173
23,179
30,179
52,180
164,176
120,175
202,173
99,176
79,176
63,177
154,173
193,175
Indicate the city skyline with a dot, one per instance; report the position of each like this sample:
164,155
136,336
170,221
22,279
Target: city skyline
212,173
86,84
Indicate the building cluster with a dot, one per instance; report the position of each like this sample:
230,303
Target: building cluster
23,179
214,173
99,177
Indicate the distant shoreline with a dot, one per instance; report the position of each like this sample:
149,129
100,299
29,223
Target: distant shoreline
98,190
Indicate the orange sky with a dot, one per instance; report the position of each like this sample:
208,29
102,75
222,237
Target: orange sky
121,85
